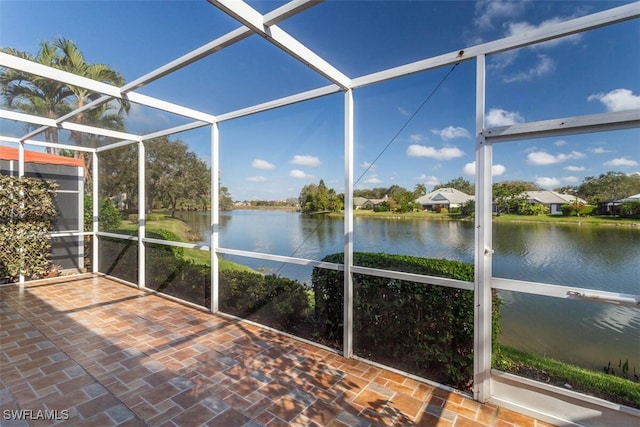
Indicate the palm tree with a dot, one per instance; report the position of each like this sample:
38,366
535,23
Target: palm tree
73,61
44,97
34,94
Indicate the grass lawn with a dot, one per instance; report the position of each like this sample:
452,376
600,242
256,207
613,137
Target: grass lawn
551,371
186,235
596,220
583,220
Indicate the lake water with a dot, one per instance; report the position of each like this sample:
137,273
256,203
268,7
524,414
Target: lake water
591,257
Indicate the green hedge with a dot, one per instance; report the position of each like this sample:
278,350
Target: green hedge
272,300
27,214
424,329
269,299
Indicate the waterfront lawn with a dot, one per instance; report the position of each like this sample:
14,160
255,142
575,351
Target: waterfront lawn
552,371
186,235
595,220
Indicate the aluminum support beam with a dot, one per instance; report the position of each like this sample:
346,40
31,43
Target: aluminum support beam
218,44
272,33
568,126
141,216
21,174
215,217
561,29
281,102
483,249
288,10
95,259
348,223
37,120
173,130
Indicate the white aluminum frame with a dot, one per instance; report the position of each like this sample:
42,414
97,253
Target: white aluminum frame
266,26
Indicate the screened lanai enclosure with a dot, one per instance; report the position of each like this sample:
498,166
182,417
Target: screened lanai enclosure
283,94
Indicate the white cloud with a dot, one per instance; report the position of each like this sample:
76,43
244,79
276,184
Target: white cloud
429,179
617,100
569,179
548,182
444,153
544,158
305,160
515,28
368,165
560,143
403,111
543,66
552,182
574,168
496,170
262,164
416,137
500,117
144,119
451,132
489,11
599,150
257,179
372,179
621,161
297,173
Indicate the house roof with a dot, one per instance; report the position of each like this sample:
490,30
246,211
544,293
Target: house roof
9,153
634,198
548,197
444,196
360,201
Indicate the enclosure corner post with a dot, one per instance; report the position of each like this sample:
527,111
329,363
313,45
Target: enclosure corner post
348,224
95,259
215,216
141,215
21,174
483,249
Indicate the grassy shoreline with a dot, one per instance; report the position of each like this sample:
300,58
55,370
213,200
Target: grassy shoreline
185,235
550,219
555,372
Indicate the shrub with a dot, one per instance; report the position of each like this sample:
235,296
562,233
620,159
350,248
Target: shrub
27,214
109,217
468,208
533,209
422,328
630,209
270,299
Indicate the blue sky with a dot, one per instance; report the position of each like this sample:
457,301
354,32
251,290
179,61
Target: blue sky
274,154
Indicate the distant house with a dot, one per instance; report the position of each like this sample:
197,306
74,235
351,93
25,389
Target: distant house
362,203
612,207
552,200
443,198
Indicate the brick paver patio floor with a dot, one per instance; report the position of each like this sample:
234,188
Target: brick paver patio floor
101,353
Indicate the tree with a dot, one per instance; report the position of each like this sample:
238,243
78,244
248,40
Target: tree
609,186
174,173
319,198
33,94
419,190
225,203
459,184
43,97
509,196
